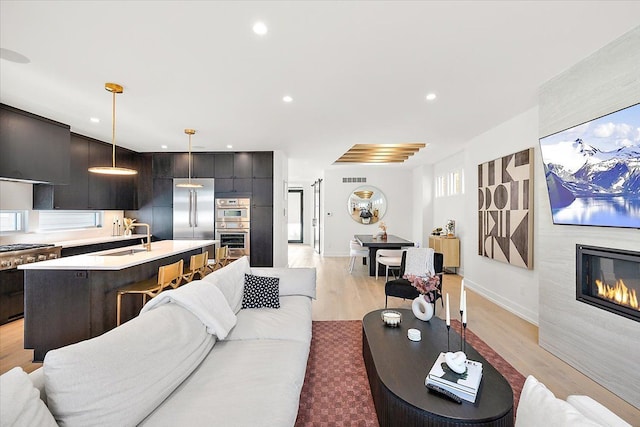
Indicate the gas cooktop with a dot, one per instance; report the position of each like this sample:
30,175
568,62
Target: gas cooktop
23,246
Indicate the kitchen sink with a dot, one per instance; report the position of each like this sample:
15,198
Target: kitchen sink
125,252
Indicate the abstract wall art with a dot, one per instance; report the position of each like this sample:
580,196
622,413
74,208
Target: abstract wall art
505,209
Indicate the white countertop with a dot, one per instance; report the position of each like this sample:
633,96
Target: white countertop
96,240
98,260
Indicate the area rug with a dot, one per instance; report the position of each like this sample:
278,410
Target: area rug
336,389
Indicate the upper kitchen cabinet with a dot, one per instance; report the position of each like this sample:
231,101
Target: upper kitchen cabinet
223,165
33,148
242,165
202,165
162,165
263,164
89,191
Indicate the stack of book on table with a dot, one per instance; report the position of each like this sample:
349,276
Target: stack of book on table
464,385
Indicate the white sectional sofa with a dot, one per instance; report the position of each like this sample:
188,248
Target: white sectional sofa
191,358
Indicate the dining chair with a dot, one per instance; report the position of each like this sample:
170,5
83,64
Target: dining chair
356,250
391,258
197,266
168,276
402,288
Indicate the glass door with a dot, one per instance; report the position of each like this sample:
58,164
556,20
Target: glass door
295,221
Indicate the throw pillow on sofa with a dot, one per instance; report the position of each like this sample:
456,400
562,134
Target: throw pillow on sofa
261,292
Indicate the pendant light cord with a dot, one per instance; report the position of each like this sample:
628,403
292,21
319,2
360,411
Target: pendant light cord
113,130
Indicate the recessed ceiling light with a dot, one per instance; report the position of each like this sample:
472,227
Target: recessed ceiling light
287,98
229,146
260,28
94,120
431,96
164,147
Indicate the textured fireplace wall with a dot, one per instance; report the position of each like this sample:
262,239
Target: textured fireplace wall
604,82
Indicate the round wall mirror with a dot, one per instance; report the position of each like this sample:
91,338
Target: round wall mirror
367,205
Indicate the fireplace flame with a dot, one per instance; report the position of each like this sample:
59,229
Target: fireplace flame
618,293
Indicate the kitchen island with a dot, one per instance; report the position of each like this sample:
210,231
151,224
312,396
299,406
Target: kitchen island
71,299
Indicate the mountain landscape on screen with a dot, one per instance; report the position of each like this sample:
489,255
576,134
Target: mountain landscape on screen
593,171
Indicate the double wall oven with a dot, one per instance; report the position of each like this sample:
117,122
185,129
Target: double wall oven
233,225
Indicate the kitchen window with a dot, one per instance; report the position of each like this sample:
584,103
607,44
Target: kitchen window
69,220
13,221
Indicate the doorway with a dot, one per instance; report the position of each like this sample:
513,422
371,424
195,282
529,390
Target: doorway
295,225
316,215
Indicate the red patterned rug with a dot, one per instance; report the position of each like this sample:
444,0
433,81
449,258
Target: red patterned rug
336,390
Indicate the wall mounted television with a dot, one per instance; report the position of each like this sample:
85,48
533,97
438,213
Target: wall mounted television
593,171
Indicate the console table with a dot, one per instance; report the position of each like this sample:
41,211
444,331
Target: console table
397,367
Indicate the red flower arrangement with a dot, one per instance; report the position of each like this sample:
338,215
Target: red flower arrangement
426,285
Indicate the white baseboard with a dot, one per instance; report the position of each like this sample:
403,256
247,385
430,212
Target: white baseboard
517,309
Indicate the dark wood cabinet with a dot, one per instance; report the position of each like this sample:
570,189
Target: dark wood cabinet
263,164
163,165
163,192
86,190
33,148
162,222
261,236
181,165
202,165
242,165
223,165
262,192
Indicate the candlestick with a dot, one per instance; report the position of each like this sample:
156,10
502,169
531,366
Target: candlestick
464,322
448,315
464,308
461,293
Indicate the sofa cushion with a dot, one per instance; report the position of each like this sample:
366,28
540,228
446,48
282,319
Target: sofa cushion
293,281
230,280
292,321
118,378
241,383
20,404
260,292
539,407
595,411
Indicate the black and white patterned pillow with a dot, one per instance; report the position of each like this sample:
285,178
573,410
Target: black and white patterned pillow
261,292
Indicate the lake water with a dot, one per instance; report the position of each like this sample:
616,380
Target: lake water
603,211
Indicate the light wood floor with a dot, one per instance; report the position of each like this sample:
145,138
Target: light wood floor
344,296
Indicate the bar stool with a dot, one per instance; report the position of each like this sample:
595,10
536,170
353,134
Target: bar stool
197,265
168,275
221,259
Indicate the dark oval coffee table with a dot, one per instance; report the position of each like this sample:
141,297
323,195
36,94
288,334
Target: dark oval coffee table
397,367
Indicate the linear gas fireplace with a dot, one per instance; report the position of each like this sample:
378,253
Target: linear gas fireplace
609,279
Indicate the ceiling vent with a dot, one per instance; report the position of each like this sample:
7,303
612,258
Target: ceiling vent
349,180
380,153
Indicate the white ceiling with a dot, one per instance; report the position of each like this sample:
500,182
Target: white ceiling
358,71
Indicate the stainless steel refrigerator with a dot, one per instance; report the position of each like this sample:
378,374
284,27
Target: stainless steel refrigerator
193,210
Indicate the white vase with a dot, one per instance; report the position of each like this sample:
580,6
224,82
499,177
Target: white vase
422,309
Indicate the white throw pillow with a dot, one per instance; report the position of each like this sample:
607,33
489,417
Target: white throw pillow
20,404
230,280
293,281
539,407
596,411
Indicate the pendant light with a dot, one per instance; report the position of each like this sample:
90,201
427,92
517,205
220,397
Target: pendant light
114,88
189,184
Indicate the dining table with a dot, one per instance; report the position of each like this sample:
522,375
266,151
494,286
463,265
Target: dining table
375,243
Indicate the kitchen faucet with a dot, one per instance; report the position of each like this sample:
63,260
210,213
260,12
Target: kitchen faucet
148,244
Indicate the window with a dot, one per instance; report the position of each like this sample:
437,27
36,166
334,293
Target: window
69,220
450,184
13,221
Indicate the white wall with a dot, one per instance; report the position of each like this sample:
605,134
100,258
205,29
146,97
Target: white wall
339,227
602,345
422,221
280,205
514,288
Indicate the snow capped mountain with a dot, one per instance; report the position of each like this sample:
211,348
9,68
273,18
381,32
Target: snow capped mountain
602,173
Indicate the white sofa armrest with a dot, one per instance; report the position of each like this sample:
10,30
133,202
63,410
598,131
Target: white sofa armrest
595,411
293,281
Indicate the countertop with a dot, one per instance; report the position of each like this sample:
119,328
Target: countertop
96,240
98,260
